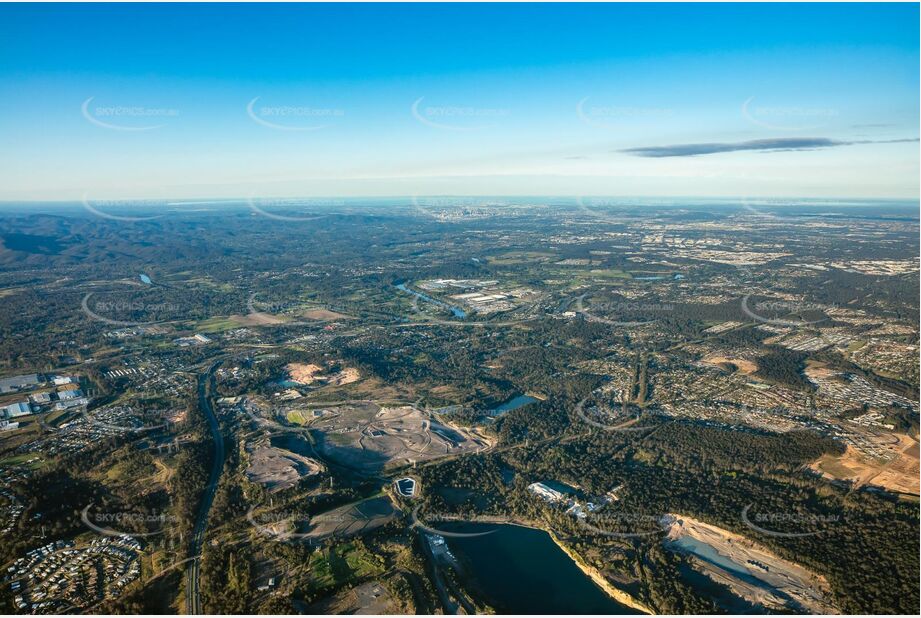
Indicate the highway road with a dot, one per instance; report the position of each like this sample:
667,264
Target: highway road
193,596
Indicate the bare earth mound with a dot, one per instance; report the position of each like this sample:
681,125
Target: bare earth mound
279,469
351,519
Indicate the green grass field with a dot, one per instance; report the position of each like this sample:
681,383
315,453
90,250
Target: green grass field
343,563
216,325
519,257
297,417
610,273
856,345
19,460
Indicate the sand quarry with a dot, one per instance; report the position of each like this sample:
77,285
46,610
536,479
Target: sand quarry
749,570
367,437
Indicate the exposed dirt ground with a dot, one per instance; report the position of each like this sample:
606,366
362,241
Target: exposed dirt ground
325,315
900,474
305,374
744,366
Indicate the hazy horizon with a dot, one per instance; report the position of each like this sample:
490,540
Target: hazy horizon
185,200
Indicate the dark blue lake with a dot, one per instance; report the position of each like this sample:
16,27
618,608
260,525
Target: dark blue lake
522,571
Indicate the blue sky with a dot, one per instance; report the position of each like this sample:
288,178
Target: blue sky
809,100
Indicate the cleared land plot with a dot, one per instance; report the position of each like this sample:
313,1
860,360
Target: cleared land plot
368,438
259,319
367,389
298,417
310,373
900,474
325,315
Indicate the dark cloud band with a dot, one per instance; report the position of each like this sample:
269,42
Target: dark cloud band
781,144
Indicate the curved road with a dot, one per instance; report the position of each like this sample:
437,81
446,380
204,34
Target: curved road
193,598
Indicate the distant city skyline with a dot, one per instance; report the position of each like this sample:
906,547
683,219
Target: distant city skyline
229,101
